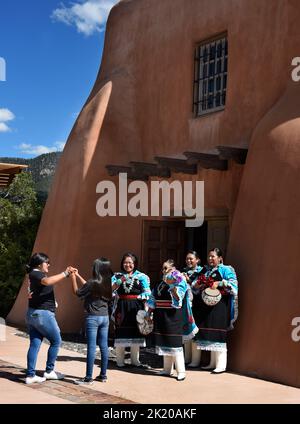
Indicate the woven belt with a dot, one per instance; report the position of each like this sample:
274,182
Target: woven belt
128,296
166,304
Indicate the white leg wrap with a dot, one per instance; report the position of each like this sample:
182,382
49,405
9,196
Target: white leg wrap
212,362
196,356
135,355
188,351
221,362
120,354
168,365
180,366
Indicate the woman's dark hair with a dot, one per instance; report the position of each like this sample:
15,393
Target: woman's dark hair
134,260
101,281
36,260
217,251
194,253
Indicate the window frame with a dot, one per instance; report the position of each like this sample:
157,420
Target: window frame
200,78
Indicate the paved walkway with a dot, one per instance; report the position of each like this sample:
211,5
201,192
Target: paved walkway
129,385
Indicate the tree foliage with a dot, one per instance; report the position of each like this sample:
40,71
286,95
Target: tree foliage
20,214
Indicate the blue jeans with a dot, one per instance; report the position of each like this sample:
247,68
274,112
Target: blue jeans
97,334
42,323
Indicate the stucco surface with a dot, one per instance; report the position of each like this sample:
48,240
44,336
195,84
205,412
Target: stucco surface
141,107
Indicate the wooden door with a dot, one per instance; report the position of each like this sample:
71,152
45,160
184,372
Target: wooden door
161,240
217,233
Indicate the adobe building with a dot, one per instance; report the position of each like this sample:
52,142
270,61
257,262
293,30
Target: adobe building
193,90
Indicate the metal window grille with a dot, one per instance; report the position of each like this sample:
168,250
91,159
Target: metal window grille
210,77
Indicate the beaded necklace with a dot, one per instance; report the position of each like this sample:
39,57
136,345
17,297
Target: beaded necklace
160,288
128,282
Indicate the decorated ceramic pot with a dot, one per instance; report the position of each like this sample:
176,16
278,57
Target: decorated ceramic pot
211,296
145,325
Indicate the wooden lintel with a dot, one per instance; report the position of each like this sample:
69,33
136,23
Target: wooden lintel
176,165
206,160
238,154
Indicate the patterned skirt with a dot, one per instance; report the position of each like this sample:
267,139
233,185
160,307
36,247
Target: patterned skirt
126,329
213,323
168,330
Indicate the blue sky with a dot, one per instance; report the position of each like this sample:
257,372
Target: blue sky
52,50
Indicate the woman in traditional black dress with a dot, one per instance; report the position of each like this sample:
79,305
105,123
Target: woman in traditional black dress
191,273
214,320
132,289
168,301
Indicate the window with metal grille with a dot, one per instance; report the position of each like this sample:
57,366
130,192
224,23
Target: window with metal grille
210,78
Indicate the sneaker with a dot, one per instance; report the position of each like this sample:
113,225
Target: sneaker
34,379
102,378
53,375
84,381
165,373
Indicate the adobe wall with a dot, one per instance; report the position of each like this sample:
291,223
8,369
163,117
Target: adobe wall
141,107
265,237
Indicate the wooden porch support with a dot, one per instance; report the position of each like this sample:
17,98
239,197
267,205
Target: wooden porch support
206,160
238,154
150,169
176,165
114,170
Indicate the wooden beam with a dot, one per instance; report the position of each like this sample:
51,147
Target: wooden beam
150,169
114,170
9,168
238,154
176,165
206,160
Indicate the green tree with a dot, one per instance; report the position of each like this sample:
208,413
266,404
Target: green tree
20,214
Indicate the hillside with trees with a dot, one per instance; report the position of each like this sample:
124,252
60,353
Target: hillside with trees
20,214
42,169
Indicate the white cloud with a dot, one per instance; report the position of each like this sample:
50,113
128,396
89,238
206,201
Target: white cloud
29,149
60,145
88,16
5,116
4,127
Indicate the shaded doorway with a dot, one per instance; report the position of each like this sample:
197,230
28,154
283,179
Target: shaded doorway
162,240
171,239
213,233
